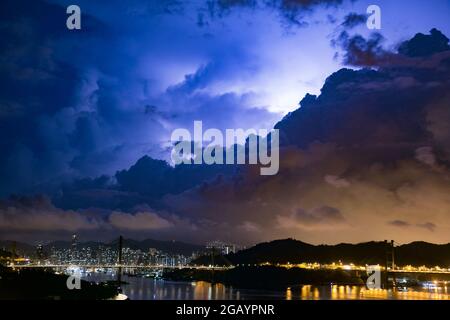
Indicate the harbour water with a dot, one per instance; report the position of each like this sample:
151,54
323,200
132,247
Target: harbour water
142,288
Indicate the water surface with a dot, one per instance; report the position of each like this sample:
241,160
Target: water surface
141,288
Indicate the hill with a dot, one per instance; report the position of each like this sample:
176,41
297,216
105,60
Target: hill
294,251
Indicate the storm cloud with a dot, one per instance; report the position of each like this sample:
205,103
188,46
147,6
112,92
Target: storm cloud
364,148
76,103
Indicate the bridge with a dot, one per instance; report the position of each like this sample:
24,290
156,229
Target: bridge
419,271
218,268
117,266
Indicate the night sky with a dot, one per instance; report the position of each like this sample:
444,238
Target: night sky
86,117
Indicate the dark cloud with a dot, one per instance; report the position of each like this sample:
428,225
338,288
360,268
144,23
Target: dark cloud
39,89
38,214
292,12
365,146
438,120
428,226
317,218
399,223
337,181
36,217
363,52
359,51
353,20
371,148
139,221
76,103
155,178
422,45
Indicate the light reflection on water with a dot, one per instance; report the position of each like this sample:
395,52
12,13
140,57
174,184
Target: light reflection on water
140,288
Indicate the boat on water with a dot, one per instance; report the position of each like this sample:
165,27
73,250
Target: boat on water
120,296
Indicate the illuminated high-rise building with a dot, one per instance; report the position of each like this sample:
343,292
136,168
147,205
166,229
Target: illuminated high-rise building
73,248
221,247
74,240
40,253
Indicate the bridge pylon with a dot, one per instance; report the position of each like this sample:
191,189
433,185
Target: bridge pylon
119,271
389,263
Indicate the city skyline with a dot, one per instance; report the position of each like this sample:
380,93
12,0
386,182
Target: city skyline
290,253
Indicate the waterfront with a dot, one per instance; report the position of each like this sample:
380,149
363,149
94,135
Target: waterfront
141,288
